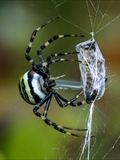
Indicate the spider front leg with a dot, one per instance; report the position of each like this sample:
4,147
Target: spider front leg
46,65
49,58
60,54
28,57
32,38
39,52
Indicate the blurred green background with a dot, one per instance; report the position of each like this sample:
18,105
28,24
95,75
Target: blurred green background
22,134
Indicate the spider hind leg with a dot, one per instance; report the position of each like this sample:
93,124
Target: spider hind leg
61,128
49,122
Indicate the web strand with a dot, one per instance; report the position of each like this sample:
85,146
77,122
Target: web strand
17,117
96,27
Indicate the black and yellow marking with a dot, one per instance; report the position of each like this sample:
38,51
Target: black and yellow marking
26,89
22,90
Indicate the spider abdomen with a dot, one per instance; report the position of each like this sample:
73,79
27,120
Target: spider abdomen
30,87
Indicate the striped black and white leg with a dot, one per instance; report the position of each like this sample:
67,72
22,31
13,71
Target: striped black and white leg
28,57
49,61
43,116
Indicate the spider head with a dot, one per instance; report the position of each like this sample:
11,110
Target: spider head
92,68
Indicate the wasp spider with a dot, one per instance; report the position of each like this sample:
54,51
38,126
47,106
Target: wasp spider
36,86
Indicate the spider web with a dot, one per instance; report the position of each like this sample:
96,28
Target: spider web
22,134
95,28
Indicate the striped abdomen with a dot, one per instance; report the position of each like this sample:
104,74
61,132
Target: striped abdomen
30,87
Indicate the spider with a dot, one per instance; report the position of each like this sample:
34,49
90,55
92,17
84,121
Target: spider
37,87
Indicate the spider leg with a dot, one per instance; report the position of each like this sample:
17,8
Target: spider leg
43,116
45,74
48,96
57,60
61,128
28,57
69,102
58,98
55,37
62,88
31,61
58,77
39,52
60,54
72,103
